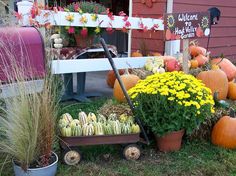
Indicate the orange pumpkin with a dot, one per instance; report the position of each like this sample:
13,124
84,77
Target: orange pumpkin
111,77
195,50
194,63
216,80
232,91
155,54
129,81
228,67
201,60
136,54
224,132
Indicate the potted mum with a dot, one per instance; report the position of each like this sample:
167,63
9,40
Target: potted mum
83,36
27,120
171,103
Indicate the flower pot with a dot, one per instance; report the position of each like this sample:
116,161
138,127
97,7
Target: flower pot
170,142
45,171
84,42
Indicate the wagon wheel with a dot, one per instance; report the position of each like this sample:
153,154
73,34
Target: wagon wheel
71,156
131,152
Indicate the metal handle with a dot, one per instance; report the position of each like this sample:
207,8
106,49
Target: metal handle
108,55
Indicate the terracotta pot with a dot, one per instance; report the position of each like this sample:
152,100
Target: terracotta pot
84,42
170,142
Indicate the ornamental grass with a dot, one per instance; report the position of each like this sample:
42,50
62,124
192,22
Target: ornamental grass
28,116
172,101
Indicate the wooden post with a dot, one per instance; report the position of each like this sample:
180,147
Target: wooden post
185,55
130,31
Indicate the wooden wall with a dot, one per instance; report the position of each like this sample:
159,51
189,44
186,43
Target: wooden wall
223,36
153,41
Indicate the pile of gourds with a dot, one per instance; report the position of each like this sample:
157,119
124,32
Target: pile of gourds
88,125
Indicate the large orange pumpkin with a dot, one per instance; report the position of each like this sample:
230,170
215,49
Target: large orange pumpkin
232,91
195,50
111,77
228,67
201,59
216,80
224,132
129,81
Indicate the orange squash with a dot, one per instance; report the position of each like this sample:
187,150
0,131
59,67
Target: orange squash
136,54
129,81
201,60
232,91
194,63
155,54
224,132
195,50
216,80
111,77
228,67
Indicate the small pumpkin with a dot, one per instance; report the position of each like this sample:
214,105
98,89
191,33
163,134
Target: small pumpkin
194,63
201,59
136,54
195,50
216,80
232,91
227,66
111,77
155,54
224,132
129,81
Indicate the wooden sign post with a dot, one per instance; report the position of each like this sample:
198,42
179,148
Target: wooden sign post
184,26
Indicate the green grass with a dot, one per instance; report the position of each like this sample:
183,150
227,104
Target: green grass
195,158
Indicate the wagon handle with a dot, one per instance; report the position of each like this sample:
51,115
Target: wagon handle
108,55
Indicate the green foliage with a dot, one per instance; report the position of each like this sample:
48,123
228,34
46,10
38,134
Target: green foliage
172,101
83,7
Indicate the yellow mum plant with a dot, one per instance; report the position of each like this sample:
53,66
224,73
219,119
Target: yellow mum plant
172,101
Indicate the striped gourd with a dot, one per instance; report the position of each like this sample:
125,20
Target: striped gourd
112,116
88,129
125,128
92,117
66,131
116,127
77,130
107,129
74,123
67,117
62,123
83,118
98,129
101,118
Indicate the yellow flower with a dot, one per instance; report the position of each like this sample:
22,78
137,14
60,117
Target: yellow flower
97,30
171,98
94,17
83,19
70,17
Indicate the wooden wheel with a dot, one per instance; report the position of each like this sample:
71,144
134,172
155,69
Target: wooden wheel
132,152
71,156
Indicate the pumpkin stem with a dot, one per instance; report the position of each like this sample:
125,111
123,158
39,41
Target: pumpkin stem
220,61
231,112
